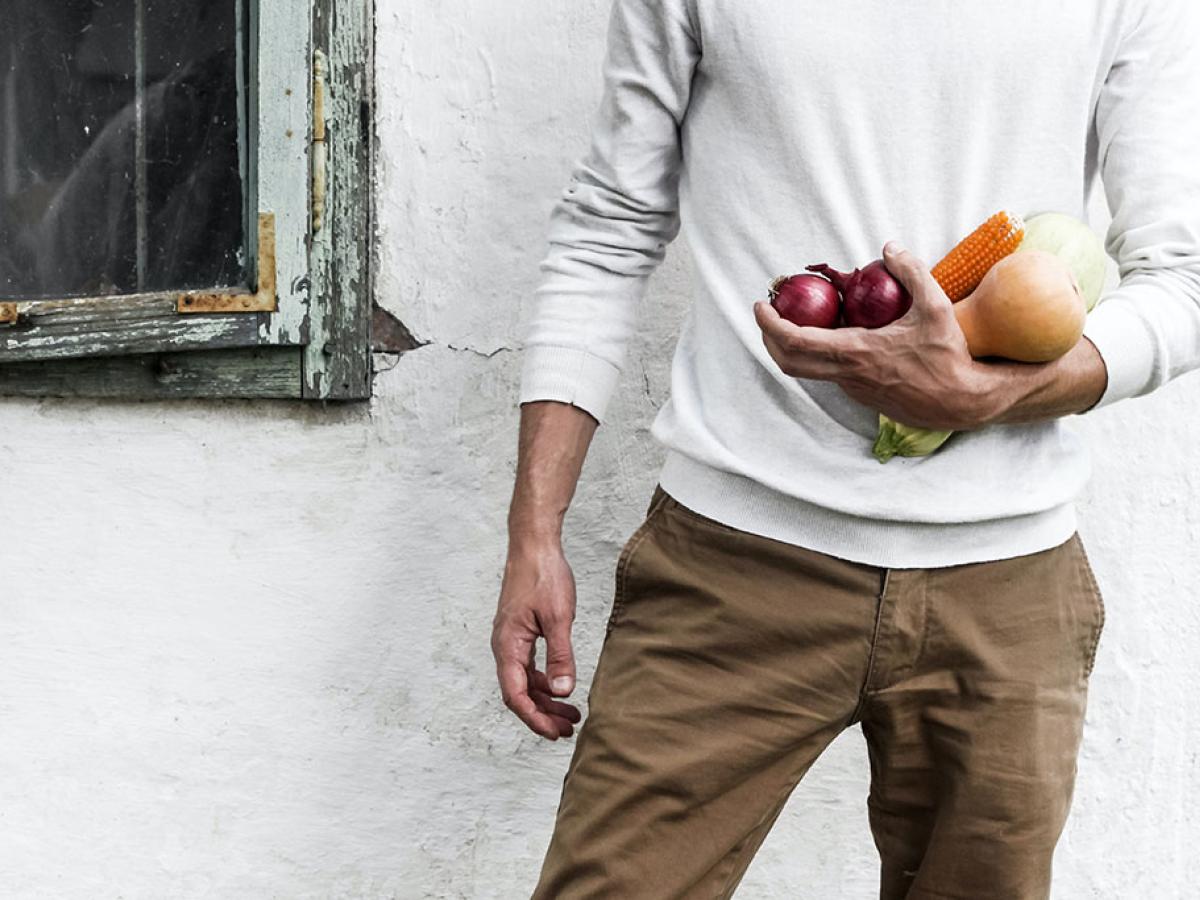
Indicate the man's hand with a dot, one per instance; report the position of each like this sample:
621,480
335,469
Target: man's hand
537,596
916,370
537,599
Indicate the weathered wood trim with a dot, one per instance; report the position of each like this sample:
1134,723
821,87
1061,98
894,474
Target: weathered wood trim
259,372
110,326
281,110
337,364
324,280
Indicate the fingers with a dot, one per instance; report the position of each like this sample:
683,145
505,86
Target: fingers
539,690
904,266
512,649
560,658
805,352
914,275
562,715
514,687
768,318
794,338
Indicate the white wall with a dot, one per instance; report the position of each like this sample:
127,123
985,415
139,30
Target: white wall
244,646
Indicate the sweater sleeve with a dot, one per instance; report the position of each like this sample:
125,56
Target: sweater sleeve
1147,123
612,223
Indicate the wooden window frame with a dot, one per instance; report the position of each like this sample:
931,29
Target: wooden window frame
304,333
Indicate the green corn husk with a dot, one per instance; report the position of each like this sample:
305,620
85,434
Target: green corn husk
901,440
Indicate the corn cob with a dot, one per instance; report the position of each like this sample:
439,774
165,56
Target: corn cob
964,267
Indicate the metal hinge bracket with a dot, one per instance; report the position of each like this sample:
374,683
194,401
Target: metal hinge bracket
264,300
320,149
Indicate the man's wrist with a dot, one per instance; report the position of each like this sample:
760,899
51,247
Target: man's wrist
532,533
992,393
1017,393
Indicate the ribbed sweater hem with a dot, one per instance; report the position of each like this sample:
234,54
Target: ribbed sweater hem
747,505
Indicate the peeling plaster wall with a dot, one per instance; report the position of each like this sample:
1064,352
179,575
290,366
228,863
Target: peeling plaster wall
244,646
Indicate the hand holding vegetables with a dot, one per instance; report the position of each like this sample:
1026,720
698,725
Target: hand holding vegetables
918,369
964,270
1025,289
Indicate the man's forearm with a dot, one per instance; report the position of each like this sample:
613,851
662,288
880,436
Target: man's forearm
554,442
1020,393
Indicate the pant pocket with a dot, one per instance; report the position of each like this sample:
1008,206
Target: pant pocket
657,501
1097,597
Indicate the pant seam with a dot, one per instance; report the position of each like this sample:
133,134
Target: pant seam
732,858
925,611
755,836
1093,586
862,698
627,556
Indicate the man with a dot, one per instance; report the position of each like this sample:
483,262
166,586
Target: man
784,584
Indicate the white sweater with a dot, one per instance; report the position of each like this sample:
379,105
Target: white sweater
780,133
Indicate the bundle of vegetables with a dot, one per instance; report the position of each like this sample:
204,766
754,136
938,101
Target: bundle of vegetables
871,298
1023,300
1021,290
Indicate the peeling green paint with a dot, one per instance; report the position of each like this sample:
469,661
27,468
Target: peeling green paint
337,363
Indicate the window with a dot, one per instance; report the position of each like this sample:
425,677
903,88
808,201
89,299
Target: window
184,198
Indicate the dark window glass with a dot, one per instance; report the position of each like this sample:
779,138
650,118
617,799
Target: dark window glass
122,158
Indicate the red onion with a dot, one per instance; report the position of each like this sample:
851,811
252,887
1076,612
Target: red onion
871,296
806,300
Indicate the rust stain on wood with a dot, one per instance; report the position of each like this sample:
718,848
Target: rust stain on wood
8,312
264,300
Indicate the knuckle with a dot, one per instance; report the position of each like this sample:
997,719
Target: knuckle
559,654
793,343
502,624
558,642
555,618
851,359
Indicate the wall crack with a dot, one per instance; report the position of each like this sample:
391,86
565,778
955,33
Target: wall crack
485,355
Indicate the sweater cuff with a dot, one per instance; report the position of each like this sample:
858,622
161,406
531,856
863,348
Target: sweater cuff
1126,346
568,375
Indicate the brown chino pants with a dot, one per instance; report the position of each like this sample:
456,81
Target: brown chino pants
731,661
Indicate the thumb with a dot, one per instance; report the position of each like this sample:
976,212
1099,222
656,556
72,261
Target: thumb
914,275
560,657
